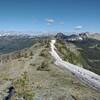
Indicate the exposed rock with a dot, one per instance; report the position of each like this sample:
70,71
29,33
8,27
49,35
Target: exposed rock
73,37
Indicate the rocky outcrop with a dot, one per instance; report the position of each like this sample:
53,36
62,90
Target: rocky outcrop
73,37
84,36
61,36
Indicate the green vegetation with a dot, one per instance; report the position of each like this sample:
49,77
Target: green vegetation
90,52
10,44
43,67
43,53
23,88
67,54
31,53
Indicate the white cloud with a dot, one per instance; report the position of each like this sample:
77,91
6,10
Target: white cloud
78,27
62,23
50,21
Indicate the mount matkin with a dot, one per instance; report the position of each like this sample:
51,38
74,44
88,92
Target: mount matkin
28,72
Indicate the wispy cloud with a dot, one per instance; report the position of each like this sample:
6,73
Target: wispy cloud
61,22
50,21
78,27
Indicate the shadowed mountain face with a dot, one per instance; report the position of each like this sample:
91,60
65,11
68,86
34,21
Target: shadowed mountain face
65,37
89,49
73,37
12,43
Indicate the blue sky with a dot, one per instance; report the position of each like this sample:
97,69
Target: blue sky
50,15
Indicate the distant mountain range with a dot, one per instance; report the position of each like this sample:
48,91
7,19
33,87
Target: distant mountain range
95,36
64,35
25,33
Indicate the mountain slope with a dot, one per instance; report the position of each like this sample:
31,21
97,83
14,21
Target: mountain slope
12,43
33,75
85,53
